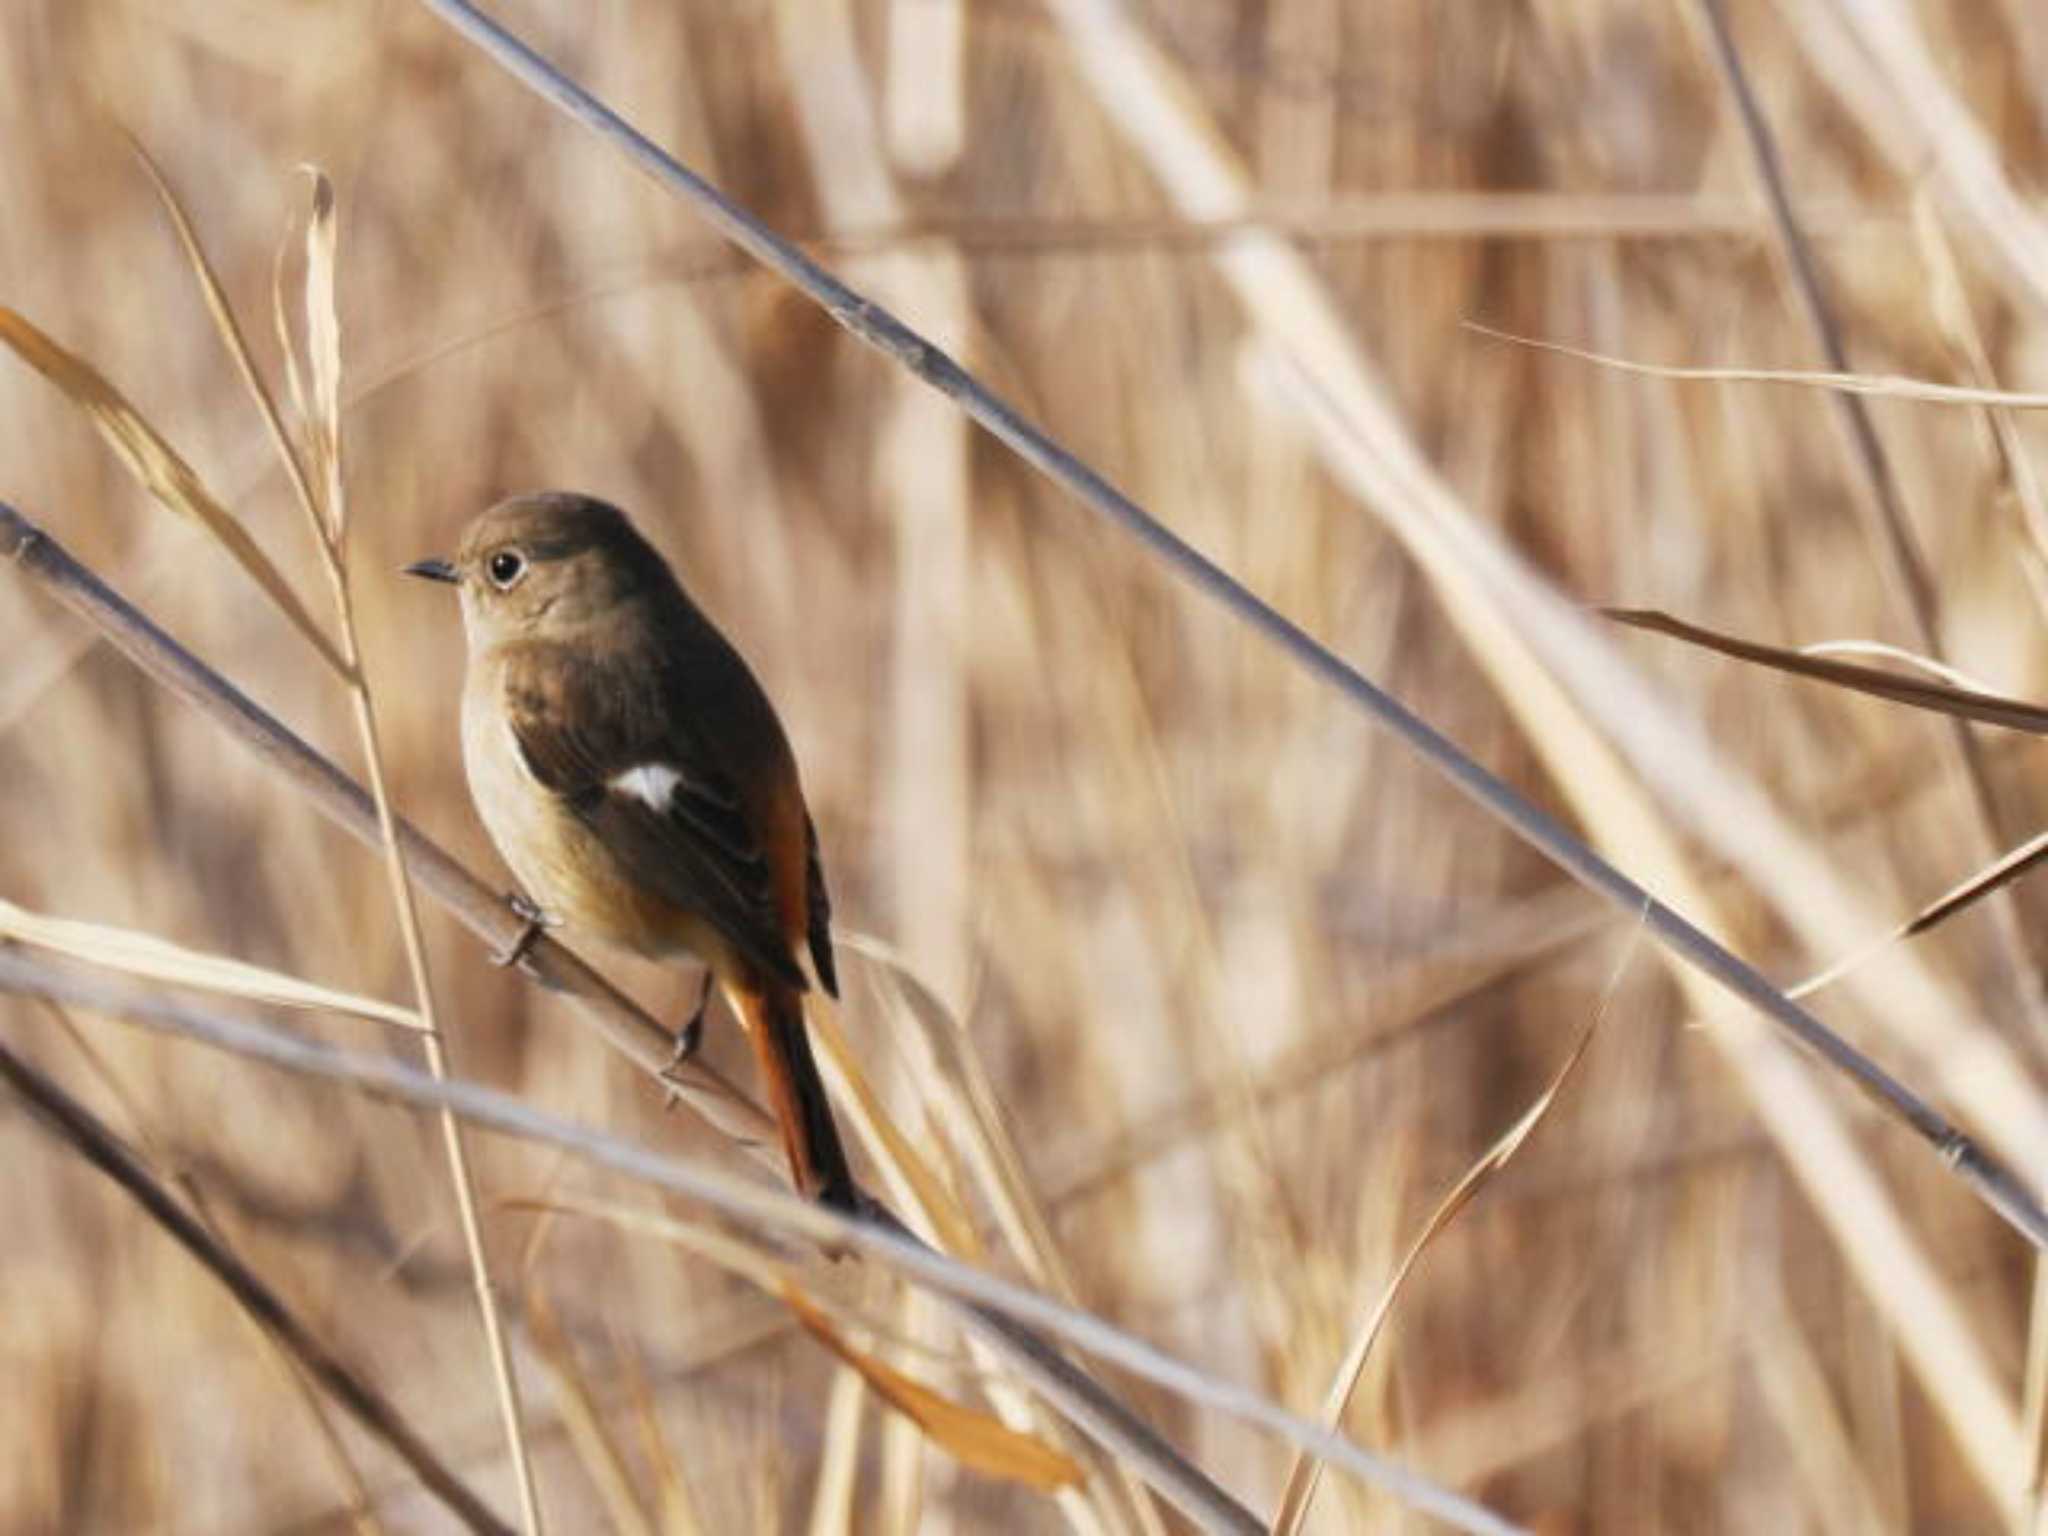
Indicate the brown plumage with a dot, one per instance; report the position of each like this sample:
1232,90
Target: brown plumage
636,779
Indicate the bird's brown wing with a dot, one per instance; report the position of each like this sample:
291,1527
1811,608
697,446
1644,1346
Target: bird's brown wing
818,912
623,755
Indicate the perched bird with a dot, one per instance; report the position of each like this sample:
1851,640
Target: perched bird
636,779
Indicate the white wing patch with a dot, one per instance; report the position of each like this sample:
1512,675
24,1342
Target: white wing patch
654,783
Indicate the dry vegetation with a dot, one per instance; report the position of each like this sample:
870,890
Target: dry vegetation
1252,988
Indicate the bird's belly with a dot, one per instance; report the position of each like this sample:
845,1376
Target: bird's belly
560,862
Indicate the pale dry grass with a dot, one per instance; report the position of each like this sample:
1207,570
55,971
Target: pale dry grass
1249,990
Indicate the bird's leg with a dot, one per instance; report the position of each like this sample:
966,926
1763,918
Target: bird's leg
688,1038
691,1035
537,923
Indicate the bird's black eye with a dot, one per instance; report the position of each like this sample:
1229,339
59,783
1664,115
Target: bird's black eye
505,568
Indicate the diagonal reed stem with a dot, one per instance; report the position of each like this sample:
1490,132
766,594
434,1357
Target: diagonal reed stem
87,1135
1985,1175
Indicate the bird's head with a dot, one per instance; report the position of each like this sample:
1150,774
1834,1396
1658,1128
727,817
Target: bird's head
552,561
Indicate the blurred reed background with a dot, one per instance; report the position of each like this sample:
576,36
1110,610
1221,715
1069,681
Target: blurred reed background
1252,988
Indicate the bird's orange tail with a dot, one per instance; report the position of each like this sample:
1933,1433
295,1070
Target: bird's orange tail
773,1013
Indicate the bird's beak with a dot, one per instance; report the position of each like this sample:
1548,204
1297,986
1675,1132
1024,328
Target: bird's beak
433,570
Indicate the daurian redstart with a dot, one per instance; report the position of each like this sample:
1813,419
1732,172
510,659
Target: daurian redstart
638,782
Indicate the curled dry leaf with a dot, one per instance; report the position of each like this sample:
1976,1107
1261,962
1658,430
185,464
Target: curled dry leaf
1307,1471
1942,698
158,466
974,1439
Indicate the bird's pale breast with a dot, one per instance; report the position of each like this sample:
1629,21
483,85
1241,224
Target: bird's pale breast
559,861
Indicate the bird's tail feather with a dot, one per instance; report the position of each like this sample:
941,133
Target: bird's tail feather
773,1012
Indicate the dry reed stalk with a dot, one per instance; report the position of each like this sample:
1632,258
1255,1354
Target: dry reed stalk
675,1506
934,1205
321,496
1808,1128
1408,998
1883,504
1341,396
1951,305
1972,1401
1796,1391
146,955
832,1491
2023,483
596,1448
925,91
1307,824
87,1135
1882,500
1006,1311
920,470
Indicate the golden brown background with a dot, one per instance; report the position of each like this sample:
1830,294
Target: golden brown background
1254,988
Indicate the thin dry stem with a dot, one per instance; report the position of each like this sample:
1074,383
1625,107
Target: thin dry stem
327,516
79,1128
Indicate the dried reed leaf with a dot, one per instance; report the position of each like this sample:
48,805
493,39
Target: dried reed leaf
144,954
323,353
972,1109
839,1459
966,1108
1941,671
976,1440
287,346
2002,872
1888,386
157,465
1968,703
1306,1472
232,338
908,1171
973,1438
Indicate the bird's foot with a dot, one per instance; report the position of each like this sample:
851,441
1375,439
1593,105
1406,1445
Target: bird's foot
537,923
688,1038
